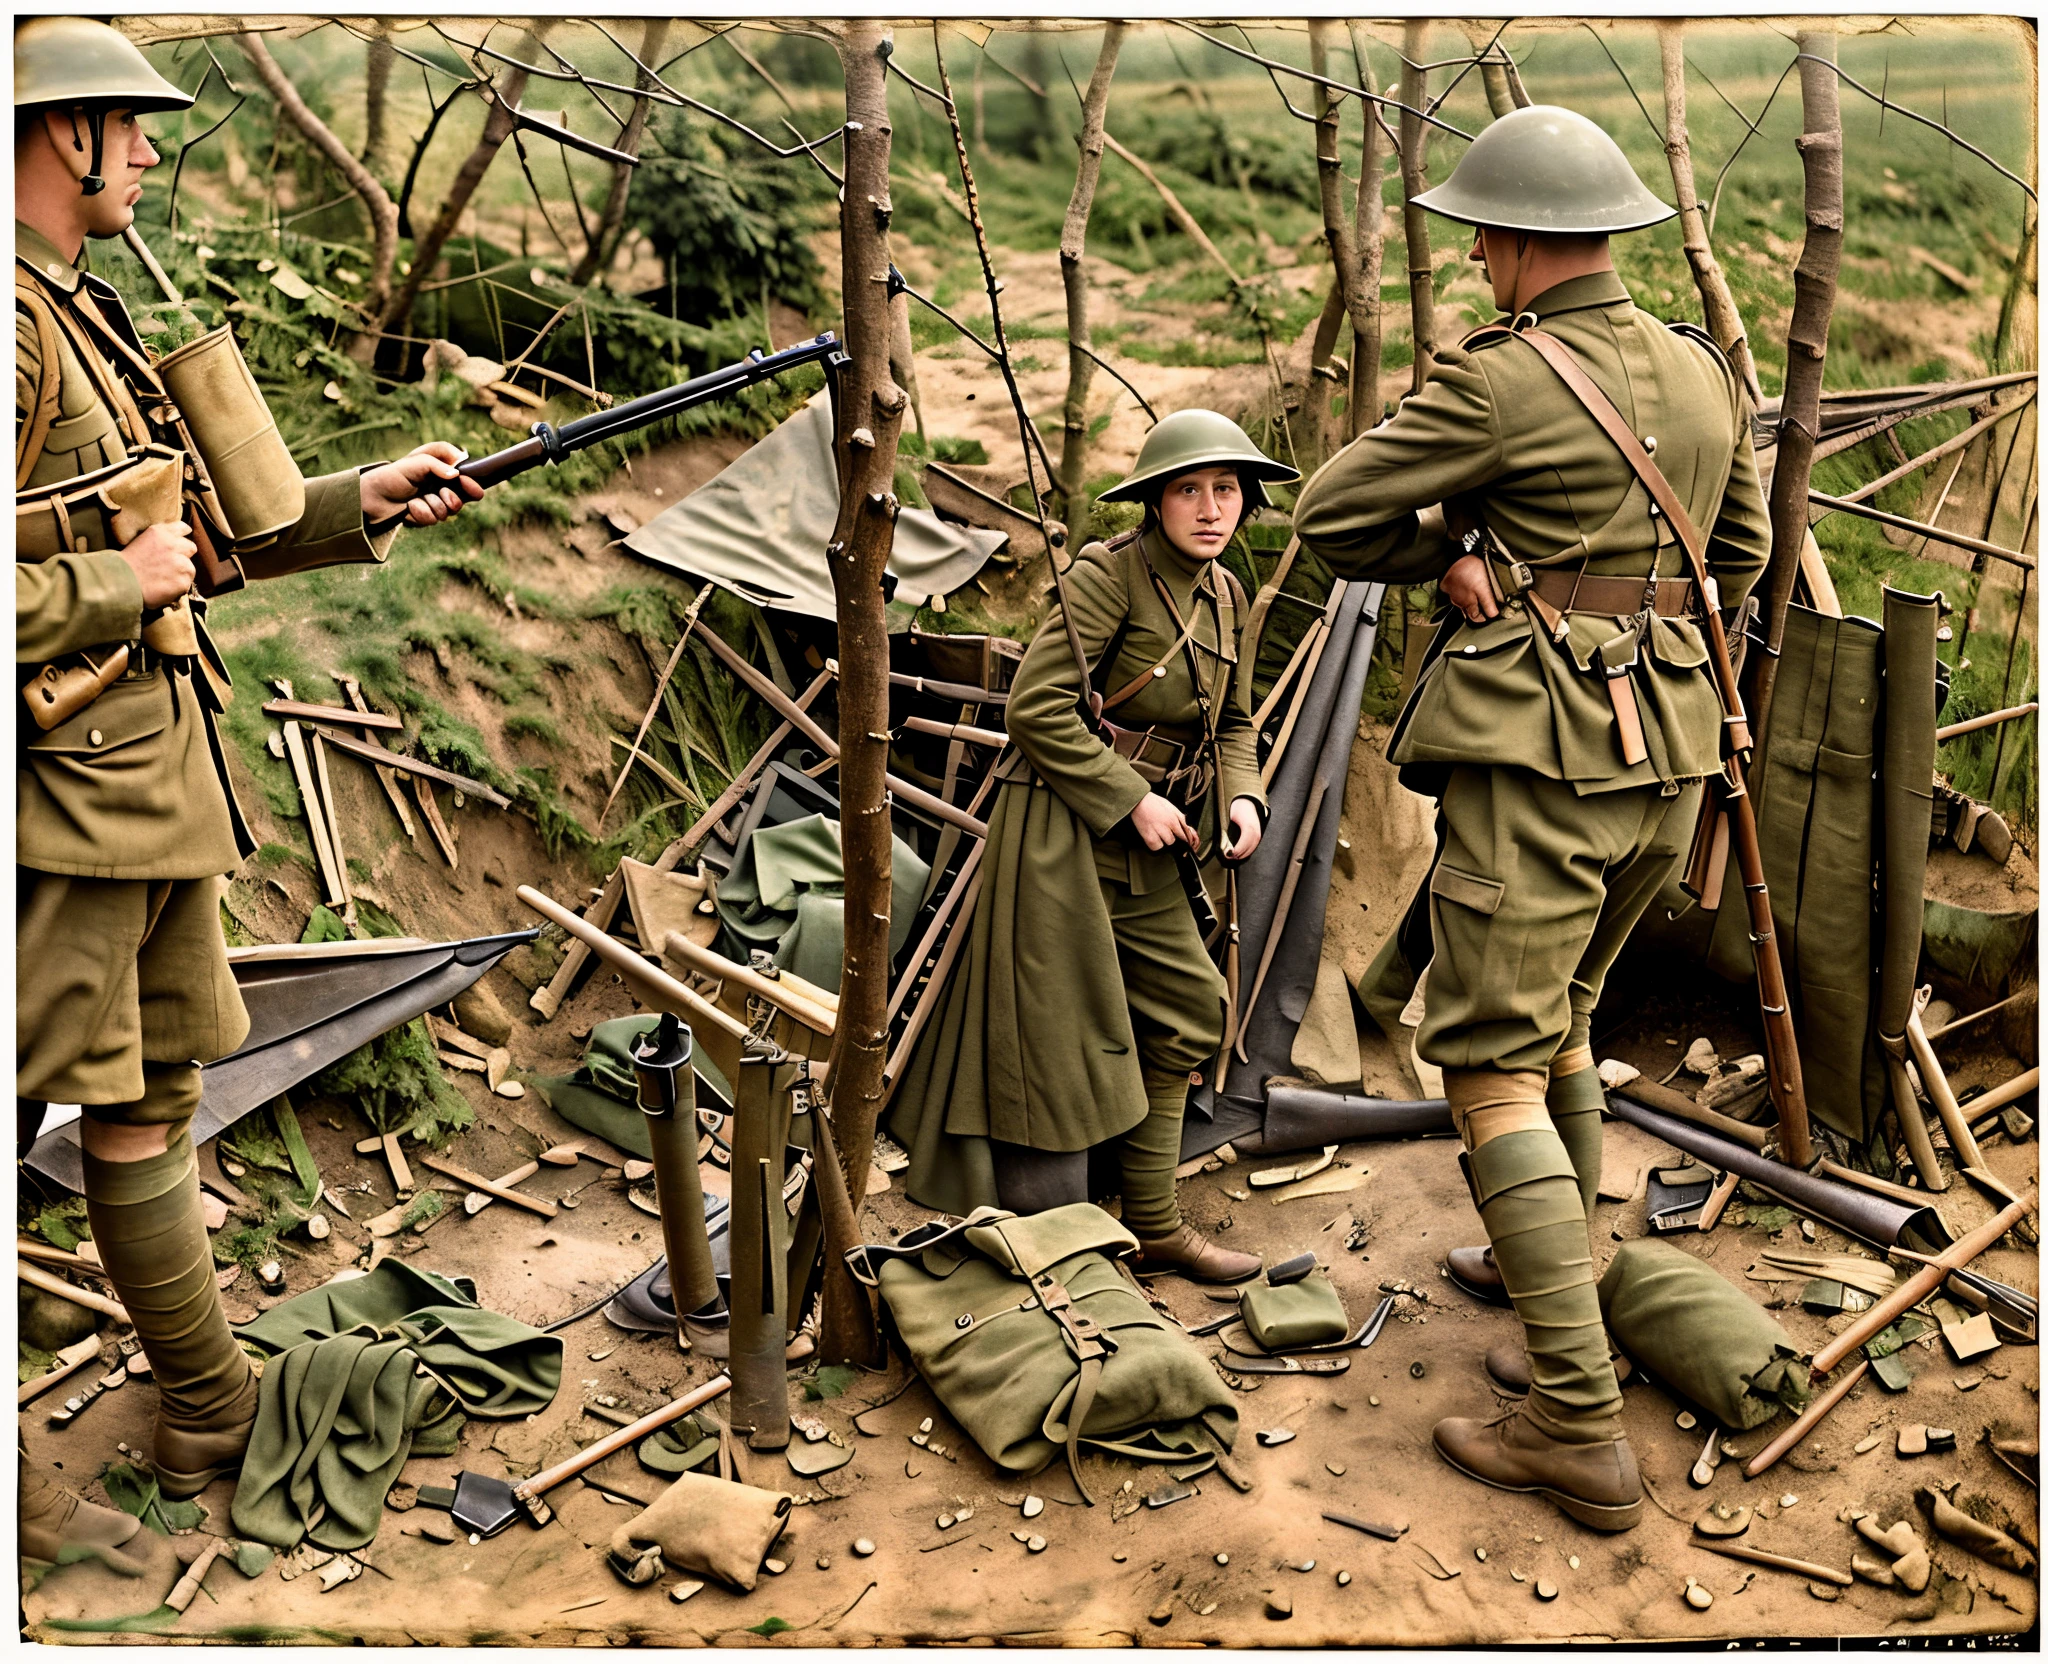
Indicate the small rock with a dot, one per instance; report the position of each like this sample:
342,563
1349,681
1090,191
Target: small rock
863,1547
1517,1576
1912,1440
1914,1570
1941,1440
1120,1557
1036,1545
1546,1590
921,1440
1872,1571
402,1496
1033,1507
1336,1470
1700,1057
1479,1554
317,1227
1279,1605
1788,1500
683,1591
1222,1559
1572,1561
1687,1421
945,1522
925,1426
1373,1400
962,1515
481,1013
271,1275
1302,1566
1271,1436
1824,1591
1162,1614
1696,1597
1343,1580
824,1562
1865,1446
775,1568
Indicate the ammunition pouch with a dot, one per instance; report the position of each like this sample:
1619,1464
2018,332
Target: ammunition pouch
255,488
1168,757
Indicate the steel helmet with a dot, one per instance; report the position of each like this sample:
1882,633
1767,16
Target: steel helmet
1546,169
61,62
1190,439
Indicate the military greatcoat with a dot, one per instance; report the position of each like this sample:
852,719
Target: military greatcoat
1084,966
1511,725
125,820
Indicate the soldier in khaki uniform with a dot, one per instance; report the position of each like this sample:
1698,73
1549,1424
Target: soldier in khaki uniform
1564,723
1085,998
125,821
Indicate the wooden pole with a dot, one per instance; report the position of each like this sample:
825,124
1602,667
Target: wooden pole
1812,1417
1922,1283
868,415
1368,216
1724,322
1341,225
1074,279
1806,346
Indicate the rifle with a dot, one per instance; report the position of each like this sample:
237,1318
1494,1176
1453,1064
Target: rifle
550,444
1781,1044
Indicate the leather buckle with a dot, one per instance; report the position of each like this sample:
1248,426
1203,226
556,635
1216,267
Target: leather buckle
142,663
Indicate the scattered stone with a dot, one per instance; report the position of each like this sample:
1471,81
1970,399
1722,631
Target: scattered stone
1696,1597
1033,1507
1162,1614
1788,1500
1120,1557
1615,1074
1872,1571
402,1496
481,1013
1373,1400
1302,1566
775,1568
1824,1591
1546,1590
1222,1559
1336,1470
1700,1057
271,1275
1912,1440
1343,1580
1572,1561
1865,1446
1418,1369
1517,1576
337,1572
811,1427
1271,1436
925,1426
681,1592
863,1547
1914,1570
1941,1440
1687,1421
1036,1545
824,1562
1279,1605
921,1440
945,1522
1479,1554
318,1229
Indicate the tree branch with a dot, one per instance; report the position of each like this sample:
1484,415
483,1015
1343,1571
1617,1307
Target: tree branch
1081,360
597,255
1414,220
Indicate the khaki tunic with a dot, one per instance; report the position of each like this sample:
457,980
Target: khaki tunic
124,817
1552,845
1084,968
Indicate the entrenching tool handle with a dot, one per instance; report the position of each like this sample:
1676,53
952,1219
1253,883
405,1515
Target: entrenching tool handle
546,1480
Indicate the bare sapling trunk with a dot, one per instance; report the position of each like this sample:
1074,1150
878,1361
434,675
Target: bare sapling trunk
1494,71
604,240
1414,162
1724,322
377,201
869,420
1369,218
1806,346
503,99
381,59
1073,475
1360,304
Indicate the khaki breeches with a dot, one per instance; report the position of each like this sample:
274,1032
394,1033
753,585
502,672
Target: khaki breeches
112,974
1535,892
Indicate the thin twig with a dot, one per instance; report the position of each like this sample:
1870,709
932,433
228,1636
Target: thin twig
1112,369
1625,81
1714,200
1437,103
1373,98
1925,121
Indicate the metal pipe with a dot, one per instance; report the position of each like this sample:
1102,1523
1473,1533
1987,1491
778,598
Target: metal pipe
759,1247
665,1064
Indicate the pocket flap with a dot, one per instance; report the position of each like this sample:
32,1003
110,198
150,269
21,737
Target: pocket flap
1467,889
128,712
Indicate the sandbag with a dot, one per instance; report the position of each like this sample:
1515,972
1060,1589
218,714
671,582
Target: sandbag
1004,1315
1699,1334
701,1524
1309,1312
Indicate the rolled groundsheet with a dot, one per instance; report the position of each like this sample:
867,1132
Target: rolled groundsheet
1307,1118
1267,1042
1876,1219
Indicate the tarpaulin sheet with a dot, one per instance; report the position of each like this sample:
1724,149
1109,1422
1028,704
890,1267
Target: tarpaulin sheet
760,528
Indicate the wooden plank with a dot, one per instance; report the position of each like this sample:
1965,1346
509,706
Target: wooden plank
491,1187
359,716
316,814
412,765
387,776
348,894
430,812
547,1001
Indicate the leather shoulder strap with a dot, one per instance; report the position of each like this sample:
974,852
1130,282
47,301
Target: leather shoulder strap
34,432
1573,374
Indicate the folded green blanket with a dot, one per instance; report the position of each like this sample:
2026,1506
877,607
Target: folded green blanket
362,1373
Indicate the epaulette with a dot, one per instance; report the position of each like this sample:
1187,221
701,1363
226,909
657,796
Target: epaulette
1693,332
1478,340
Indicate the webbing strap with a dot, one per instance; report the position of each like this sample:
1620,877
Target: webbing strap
1091,1345
35,432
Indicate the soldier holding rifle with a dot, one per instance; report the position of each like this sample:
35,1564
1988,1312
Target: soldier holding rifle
1566,720
125,820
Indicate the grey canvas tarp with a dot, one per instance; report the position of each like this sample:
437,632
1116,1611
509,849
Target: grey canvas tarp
760,528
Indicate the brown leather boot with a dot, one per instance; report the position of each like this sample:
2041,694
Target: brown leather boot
1507,1367
1194,1256
1473,1270
1596,1484
58,1529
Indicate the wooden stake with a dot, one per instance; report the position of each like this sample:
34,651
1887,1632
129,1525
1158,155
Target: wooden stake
69,1362
394,1157
430,812
348,895
654,704
187,1588
36,1277
1777,1562
492,1187
1814,1414
316,814
387,777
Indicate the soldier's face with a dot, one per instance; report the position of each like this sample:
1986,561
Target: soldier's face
1198,511
125,157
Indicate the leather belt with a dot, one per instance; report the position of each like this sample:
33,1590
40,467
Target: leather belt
143,662
1567,591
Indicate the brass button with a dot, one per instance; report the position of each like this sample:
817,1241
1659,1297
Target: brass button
94,738
54,270
1469,651
1650,443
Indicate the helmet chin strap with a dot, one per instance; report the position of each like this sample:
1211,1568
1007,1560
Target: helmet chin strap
96,124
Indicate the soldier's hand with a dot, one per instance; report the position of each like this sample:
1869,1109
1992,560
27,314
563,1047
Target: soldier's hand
412,485
1159,823
1469,588
1245,831
161,559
